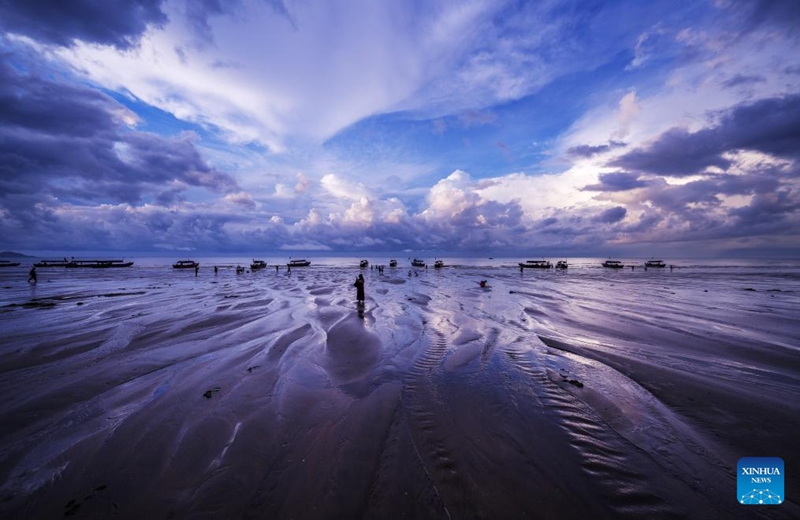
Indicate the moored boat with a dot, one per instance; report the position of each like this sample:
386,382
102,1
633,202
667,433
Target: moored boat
613,264
417,263
655,263
364,263
185,264
258,264
98,264
52,263
536,264
437,264
392,263
562,264
8,263
298,263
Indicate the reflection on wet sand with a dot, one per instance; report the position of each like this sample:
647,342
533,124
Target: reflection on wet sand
542,396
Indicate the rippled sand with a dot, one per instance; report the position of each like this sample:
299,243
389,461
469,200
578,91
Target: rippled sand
588,393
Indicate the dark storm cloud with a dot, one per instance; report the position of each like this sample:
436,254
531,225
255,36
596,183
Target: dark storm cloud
69,141
109,22
783,14
645,223
741,79
678,153
198,13
618,181
611,215
585,150
770,126
706,193
678,199
767,209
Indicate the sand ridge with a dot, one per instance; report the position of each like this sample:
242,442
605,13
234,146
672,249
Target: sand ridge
545,395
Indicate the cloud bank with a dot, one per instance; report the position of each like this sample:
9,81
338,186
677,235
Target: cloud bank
503,127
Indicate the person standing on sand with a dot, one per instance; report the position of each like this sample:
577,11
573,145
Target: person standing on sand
359,285
32,275
196,269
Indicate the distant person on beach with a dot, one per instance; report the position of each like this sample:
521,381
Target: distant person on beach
483,283
32,275
216,269
359,285
196,269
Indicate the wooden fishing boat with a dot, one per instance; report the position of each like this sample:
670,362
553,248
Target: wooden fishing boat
536,264
613,264
98,264
185,264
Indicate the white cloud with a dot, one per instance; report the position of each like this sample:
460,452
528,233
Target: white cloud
240,199
628,110
342,188
306,81
450,196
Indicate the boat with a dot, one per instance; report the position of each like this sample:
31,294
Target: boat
437,264
364,263
536,264
392,263
561,264
8,263
655,263
298,263
417,263
51,263
98,264
614,264
185,264
258,264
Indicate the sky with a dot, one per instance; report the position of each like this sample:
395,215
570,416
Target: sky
554,127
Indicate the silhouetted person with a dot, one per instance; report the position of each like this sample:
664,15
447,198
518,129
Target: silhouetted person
276,268
359,285
196,269
483,283
216,269
32,275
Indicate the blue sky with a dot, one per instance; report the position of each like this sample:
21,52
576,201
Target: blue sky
554,127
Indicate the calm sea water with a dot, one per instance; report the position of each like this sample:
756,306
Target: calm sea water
404,260
770,274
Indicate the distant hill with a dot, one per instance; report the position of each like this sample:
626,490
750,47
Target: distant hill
12,254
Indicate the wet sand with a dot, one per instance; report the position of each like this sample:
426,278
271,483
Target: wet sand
589,394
